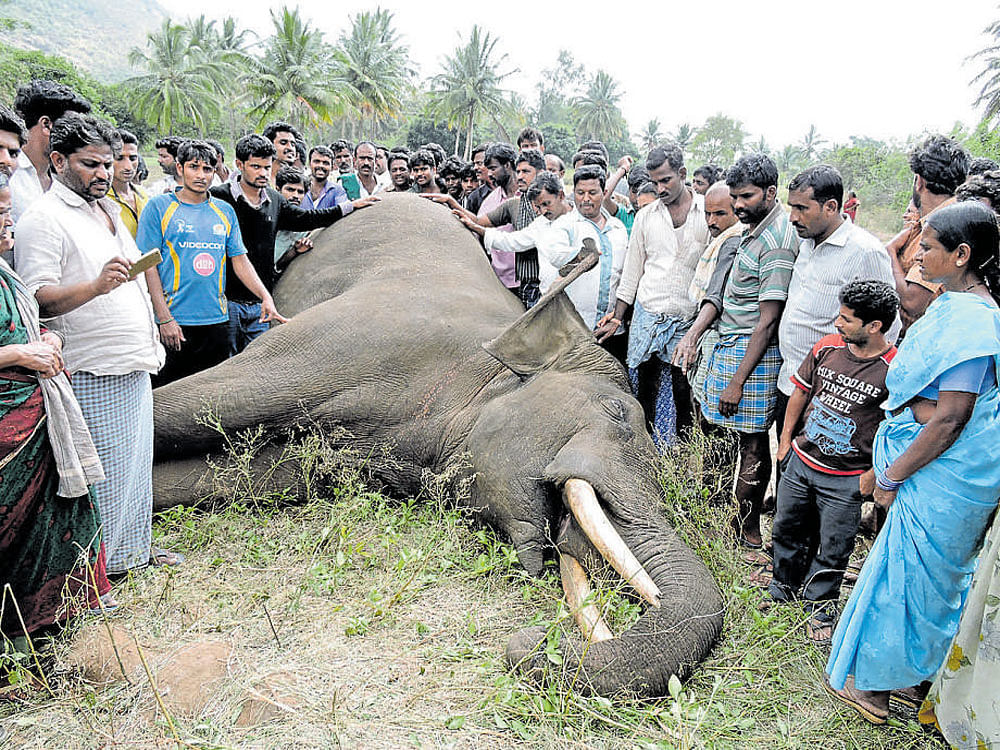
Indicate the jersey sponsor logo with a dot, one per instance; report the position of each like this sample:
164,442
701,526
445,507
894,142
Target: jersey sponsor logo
203,264
195,245
183,227
219,229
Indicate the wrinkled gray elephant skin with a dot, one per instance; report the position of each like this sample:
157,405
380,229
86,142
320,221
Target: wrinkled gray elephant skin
402,335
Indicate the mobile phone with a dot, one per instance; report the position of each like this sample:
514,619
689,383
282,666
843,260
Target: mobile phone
147,261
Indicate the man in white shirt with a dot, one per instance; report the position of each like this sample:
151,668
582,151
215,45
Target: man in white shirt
74,254
668,238
558,233
166,157
832,252
39,103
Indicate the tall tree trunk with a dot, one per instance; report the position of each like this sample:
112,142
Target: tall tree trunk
468,132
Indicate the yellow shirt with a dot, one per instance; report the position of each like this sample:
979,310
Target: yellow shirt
130,216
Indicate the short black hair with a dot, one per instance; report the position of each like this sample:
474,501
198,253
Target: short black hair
636,177
980,164
44,98
322,151
544,181
396,156
668,153
289,176
647,188
342,144
125,135
469,171
300,150
218,149
197,151
502,152
941,162
590,172
438,150
871,300
595,146
484,147
170,143
452,167
533,157
530,134
711,172
753,169
74,131
280,127
422,157
589,157
253,145
825,181
985,185
363,143
11,122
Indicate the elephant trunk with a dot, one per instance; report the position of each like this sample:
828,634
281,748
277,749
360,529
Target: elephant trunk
666,640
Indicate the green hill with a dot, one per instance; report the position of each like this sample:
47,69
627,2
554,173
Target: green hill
96,35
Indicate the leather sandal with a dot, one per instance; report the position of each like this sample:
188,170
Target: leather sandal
849,696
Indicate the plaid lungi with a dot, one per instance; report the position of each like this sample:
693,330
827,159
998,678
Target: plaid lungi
699,368
760,393
118,410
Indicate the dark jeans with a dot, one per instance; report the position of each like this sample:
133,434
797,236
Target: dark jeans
779,425
203,347
244,325
813,534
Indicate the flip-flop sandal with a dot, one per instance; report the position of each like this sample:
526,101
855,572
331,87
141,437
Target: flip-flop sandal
163,557
108,605
870,713
762,576
819,621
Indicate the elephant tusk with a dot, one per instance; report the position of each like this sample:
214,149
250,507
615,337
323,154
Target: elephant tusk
577,589
583,503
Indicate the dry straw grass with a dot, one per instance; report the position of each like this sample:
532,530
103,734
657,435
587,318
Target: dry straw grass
357,621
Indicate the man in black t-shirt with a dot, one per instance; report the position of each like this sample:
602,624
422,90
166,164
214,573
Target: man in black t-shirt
825,449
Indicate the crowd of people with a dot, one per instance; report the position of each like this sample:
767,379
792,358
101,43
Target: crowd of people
874,363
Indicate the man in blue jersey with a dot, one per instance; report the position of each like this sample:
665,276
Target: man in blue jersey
195,233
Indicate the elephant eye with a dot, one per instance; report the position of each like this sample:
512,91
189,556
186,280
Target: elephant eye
613,407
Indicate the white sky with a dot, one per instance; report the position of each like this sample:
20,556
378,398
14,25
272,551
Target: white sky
882,68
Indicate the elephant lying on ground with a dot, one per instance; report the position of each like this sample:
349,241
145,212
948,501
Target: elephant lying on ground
402,335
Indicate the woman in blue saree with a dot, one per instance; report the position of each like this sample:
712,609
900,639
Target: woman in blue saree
937,467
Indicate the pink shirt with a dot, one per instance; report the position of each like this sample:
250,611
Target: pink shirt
503,262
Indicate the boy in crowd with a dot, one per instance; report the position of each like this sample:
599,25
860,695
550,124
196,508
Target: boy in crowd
826,452
291,184
195,233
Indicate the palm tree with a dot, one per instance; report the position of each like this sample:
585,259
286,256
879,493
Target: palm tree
812,144
469,83
294,78
761,147
598,115
651,136
374,65
684,135
180,86
787,159
989,76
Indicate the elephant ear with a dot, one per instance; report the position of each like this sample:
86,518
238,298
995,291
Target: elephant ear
551,329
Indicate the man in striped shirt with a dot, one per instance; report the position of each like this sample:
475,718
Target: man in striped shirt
741,385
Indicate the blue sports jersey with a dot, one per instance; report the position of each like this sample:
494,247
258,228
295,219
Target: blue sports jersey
194,240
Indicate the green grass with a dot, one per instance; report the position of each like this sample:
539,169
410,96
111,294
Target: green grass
388,620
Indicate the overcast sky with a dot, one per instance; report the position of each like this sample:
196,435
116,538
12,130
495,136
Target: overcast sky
884,68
